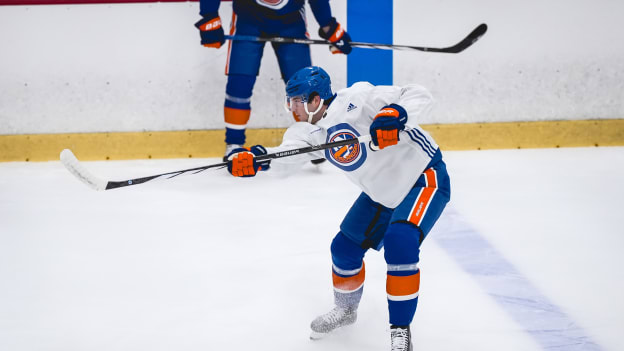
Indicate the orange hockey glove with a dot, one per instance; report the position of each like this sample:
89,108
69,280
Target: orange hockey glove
388,122
242,161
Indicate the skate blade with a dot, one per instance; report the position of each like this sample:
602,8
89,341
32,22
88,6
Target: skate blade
317,336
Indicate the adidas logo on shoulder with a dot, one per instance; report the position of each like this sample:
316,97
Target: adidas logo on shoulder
351,107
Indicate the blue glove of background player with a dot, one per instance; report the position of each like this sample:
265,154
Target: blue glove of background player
211,31
242,161
388,122
339,38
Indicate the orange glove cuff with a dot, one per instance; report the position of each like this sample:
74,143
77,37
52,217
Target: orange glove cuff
337,35
213,24
213,45
388,112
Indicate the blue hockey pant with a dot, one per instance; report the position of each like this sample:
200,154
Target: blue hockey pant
243,65
400,231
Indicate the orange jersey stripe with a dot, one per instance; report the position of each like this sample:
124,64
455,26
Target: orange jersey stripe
232,32
349,283
236,116
403,286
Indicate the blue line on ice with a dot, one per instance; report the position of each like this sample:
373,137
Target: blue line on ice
543,320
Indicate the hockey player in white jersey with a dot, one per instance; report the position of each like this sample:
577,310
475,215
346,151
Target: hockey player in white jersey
403,179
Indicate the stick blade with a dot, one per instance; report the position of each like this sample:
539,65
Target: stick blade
472,38
72,164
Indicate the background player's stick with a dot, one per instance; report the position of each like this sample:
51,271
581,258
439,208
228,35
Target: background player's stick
79,171
457,48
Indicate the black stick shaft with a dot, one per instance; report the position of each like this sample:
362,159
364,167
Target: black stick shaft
476,33
303,150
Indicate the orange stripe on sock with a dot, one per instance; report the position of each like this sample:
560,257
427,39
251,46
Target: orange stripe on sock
403,286
349,283
236,116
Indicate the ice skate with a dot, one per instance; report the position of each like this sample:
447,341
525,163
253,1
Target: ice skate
229,148
334,319
401,338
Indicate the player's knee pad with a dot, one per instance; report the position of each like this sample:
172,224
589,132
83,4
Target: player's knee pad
346,254
238,91
402,243
348,272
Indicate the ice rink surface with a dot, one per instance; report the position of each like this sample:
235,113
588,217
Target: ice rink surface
527,256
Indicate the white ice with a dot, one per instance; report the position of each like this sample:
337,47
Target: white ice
210,262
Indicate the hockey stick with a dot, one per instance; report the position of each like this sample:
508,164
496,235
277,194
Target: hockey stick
457,48
79,171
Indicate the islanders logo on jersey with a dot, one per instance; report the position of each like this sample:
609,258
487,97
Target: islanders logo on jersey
346,157
273,4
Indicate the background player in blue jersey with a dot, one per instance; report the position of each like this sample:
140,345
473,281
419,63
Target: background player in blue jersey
405,185
273,18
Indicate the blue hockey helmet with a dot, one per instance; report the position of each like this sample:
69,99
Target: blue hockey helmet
309,80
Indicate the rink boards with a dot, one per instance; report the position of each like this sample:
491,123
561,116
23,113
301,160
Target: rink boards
209,143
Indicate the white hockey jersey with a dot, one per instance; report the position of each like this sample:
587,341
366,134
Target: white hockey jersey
385,175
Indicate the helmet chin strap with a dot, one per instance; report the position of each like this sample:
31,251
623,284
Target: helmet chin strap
311,114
